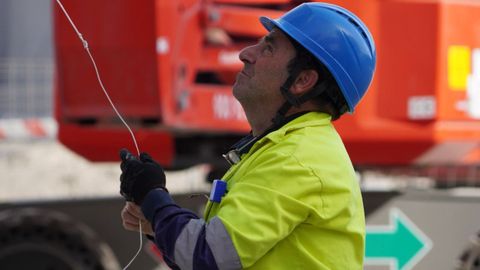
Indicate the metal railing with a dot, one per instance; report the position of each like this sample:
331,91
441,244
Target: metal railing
26,88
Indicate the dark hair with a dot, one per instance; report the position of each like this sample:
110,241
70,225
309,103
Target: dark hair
330,100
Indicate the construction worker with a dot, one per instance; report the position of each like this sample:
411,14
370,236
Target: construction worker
291,199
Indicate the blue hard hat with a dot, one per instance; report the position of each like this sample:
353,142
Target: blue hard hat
338,39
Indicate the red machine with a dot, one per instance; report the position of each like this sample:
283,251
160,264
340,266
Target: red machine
169,67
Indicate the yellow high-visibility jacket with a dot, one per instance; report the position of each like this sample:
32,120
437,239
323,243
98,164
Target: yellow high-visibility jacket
294,202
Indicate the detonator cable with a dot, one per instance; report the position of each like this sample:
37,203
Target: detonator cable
85,46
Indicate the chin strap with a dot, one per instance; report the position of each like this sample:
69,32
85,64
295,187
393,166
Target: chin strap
294,101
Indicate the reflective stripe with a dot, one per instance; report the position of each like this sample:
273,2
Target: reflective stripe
186,242
217,239
221,245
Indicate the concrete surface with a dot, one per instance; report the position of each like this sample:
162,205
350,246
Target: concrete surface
45,169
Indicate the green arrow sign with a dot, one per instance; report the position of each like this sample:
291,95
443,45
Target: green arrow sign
400,244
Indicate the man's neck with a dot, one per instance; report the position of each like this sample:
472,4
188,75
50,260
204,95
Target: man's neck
261,121
259,124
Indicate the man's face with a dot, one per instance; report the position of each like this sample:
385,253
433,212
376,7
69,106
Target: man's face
264,72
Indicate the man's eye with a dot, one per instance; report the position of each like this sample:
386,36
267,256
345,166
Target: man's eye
268,49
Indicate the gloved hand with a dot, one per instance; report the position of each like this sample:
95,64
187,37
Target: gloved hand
139,176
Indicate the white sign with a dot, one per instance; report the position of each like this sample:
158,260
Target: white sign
226,107
422,107
229,58
473,86
163,46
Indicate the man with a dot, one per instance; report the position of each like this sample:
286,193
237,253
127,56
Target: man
291,199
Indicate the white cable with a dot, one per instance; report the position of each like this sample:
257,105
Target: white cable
85,45
139,248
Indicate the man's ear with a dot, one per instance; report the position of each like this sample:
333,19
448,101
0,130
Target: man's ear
305,81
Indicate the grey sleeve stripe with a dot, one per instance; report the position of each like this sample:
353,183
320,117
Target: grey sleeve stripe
186,243
221,245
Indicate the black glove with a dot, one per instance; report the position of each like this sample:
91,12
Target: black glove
139,176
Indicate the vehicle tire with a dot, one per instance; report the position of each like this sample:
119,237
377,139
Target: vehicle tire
470,258
46,240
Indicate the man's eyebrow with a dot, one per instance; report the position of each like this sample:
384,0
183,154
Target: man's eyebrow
269,39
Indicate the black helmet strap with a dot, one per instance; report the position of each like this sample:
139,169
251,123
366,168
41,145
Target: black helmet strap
292,100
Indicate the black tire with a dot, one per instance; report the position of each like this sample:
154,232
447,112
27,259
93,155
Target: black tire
46,240
470,257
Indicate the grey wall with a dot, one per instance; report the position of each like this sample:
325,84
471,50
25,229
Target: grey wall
25,28
26,58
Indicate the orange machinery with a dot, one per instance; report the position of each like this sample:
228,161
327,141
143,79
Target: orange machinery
172,81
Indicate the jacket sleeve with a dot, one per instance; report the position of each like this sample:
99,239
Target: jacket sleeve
186,240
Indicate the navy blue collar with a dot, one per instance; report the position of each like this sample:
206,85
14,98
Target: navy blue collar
233,156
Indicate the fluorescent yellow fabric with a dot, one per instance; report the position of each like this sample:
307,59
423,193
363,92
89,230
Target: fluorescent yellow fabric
293,201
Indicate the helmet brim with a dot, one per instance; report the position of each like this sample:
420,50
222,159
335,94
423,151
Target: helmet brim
268,23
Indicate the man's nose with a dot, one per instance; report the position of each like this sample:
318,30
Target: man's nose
247,55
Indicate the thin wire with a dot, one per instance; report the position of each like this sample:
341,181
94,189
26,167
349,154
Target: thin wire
85,45
139,248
